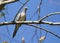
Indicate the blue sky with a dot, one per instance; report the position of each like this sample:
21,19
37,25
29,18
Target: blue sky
27,32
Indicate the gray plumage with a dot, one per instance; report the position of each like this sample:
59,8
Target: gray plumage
20,17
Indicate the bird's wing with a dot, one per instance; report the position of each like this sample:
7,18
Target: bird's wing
23,16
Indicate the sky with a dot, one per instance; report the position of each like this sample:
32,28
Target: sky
48,6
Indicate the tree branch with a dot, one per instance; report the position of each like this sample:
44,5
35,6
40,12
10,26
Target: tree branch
29,22
18,22
50,23
44,30
7,2
55,13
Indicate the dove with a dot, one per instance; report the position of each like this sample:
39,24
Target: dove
20,17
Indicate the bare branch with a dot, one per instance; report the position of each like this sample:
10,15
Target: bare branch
55,13
40,2
29,22
18,22
7,2
44,30
50,23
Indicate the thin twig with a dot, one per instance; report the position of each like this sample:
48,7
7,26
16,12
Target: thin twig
44,30
55,13
51,23
39,11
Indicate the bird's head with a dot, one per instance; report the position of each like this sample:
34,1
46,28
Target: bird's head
25,9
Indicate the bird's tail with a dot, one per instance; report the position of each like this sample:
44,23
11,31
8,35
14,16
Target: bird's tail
16,29
14,33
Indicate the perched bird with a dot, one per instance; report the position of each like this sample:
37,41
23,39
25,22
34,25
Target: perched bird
42,38
20,17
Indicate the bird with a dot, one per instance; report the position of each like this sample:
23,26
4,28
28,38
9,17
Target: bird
41,39
20,17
